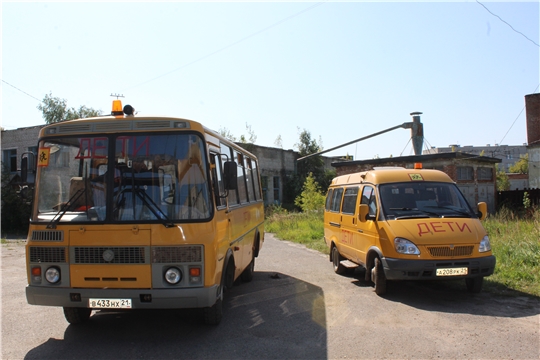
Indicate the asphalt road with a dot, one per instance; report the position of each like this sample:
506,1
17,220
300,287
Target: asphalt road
295,308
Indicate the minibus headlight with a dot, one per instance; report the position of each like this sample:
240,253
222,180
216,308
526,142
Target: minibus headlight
484,245
404,246
173,276
52,275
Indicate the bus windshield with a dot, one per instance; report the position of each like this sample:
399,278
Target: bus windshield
161,177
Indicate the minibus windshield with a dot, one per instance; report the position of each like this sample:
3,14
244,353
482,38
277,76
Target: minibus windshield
423,199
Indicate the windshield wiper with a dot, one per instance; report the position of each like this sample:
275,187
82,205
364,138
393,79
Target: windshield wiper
461,212
64,209
150,204
424,213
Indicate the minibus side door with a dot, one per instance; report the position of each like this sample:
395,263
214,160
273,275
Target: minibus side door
349,220
367,230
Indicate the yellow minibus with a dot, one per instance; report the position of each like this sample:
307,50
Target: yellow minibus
406,224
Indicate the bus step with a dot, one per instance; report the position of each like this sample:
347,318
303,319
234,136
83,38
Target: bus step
349,264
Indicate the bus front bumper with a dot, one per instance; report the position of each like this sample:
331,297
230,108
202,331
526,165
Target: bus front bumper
399,269
140,298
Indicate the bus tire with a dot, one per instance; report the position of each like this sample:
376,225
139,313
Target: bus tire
474,285
214,313
378,278
75,315
247,274
336,261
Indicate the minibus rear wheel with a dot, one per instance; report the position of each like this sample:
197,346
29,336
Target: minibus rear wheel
378,278
76,315
474,285
336,261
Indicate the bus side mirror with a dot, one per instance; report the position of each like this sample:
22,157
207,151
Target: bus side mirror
230,175
482,210
363,212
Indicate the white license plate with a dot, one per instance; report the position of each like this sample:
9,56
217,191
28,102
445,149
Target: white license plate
452,271
109,303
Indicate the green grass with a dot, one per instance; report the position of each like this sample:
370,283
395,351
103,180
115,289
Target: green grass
302,228
516,245
515,242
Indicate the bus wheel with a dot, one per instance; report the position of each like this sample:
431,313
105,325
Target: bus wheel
336,261
214,313
378,278
76,315
247,274
474,285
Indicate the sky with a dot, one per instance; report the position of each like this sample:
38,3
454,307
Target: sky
340,70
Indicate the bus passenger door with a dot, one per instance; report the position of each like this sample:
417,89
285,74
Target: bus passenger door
221,216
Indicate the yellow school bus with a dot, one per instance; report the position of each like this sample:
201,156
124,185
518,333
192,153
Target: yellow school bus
406,224
141,212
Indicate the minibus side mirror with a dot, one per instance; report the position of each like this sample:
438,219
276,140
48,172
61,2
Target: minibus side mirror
363,212
482,210
230,175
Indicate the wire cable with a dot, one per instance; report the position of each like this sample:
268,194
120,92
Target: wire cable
497,16
230,45
16,88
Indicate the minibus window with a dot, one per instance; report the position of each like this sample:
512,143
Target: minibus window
349,200
329,200
368,198
336,199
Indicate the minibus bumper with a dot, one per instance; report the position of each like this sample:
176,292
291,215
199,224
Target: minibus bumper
399,269
140,298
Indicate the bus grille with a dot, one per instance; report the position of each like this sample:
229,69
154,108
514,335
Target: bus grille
446,251
47,235
176,254
47,254
109,255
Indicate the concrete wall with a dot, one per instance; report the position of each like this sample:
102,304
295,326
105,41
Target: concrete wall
534,167
20,140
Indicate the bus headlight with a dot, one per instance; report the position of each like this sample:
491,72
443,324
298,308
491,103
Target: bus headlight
484,245
404,246
52,275
173,275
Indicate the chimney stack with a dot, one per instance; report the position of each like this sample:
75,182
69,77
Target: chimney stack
532,106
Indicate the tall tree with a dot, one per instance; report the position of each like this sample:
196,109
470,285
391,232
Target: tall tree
521,166
315,164
54,110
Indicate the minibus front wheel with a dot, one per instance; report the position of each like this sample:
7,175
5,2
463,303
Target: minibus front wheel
378,278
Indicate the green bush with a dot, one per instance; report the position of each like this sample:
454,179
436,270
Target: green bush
15,210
